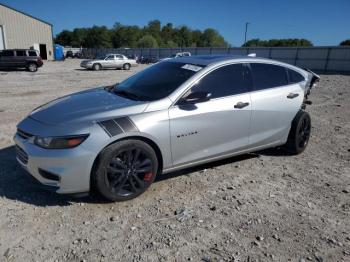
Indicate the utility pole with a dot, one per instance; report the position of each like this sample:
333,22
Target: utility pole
246,30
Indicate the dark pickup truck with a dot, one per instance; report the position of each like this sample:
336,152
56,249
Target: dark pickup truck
20,58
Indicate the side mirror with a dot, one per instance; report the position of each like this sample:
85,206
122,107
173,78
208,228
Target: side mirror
196,97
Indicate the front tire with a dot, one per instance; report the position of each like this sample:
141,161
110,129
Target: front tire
32,67
125,170
299,133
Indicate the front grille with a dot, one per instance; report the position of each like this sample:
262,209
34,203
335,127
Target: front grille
21,155
23,134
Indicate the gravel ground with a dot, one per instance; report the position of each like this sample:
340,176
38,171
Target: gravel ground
257,207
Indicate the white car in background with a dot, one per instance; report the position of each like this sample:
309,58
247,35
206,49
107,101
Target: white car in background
109,61
177,55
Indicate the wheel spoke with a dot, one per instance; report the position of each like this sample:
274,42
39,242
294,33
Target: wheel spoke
121,184
114,170
144,163
129,157
114,182
143,170
139,181
118,162
133,187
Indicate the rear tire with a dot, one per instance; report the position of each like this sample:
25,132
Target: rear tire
32,67
299,133
125,170
96,67
126,66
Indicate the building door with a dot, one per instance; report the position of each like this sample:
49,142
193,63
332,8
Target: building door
43,52
2,38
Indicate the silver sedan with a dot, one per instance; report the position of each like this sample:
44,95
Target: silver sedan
109,61
173,115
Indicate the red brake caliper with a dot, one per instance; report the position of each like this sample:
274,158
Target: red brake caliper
148,177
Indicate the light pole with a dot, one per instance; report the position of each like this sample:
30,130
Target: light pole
246,30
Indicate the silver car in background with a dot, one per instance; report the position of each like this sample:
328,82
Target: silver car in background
115,61
174,114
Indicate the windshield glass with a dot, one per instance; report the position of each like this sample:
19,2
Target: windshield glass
173,55
101,57
157,81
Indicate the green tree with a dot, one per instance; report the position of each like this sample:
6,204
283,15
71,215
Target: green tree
78,37
211,38
151,35
147,41
154,29
345,42
278,42
64,38
99,37
125,36
170,44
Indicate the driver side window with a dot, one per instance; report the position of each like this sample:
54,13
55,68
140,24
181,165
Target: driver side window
225,81
110,57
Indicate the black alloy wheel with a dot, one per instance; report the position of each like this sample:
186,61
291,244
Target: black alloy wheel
299,133
127,168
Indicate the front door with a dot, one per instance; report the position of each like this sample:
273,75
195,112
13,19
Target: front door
109,61
218,126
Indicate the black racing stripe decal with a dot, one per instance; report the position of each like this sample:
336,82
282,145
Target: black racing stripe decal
111,127
126,124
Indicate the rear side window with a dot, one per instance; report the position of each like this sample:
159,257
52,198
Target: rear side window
8,53
268,76
226,81
21,53
294,77
32,53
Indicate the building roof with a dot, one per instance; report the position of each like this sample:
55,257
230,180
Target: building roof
23,13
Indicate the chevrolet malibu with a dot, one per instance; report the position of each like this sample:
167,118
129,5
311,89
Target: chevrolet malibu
175,114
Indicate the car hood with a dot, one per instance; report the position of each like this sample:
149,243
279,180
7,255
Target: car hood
91,105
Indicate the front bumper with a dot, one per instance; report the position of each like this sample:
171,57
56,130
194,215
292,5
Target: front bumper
65,171
87,66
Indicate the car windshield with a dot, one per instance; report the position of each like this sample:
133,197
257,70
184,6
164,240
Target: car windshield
173,55
101,57
157,81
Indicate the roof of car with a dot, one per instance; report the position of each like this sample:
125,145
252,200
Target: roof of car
205,60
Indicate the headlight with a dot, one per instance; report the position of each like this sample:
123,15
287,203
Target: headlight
59,142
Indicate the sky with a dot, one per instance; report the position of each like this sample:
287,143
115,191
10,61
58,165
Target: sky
324,22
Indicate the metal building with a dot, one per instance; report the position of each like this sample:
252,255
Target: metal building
21,30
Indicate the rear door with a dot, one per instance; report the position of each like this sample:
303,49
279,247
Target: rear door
20,58
119,61
275,102
218,126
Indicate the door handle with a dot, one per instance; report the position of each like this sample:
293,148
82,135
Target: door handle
240,105
292,95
